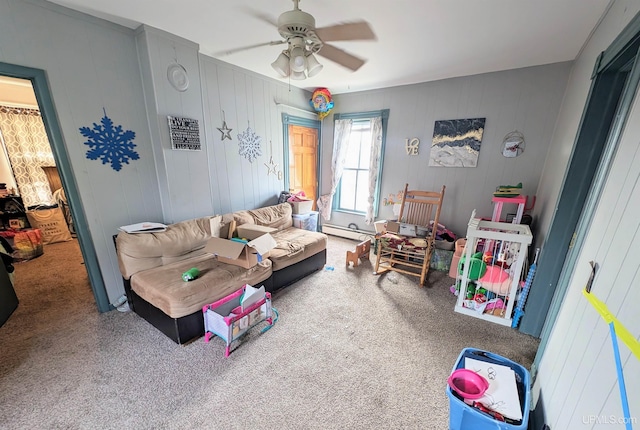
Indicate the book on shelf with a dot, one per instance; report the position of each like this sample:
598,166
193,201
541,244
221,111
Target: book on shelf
144,227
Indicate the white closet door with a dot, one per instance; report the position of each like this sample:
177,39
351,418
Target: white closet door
577,373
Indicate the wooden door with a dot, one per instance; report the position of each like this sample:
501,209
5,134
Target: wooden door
303,160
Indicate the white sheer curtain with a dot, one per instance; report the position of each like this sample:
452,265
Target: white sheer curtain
374,165
25,139
341,134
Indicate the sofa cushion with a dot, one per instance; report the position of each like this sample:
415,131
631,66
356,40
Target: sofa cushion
164,288
142,251
243,217
277,216
294,245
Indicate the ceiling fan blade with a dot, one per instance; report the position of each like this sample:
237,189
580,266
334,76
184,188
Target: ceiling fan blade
261,16
347,31
266,18
341,57
244,48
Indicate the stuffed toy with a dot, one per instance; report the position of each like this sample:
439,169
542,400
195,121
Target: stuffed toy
496,279
477,267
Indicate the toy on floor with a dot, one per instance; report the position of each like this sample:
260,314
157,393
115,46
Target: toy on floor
495,303
232,316
362,250
477,267
519,312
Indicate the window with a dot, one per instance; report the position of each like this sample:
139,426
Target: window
363,162
354,186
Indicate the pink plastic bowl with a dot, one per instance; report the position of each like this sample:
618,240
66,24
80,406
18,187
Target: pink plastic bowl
468,383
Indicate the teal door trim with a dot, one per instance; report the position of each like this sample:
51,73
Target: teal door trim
304,122
620,74
40,84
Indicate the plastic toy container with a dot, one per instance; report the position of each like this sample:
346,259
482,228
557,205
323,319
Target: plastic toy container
459,250
308,221
463,416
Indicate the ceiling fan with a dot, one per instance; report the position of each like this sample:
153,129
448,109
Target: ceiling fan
298,29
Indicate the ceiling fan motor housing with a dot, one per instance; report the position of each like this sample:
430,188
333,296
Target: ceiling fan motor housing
296,23
299,30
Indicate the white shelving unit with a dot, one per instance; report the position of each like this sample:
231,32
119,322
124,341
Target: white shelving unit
504,247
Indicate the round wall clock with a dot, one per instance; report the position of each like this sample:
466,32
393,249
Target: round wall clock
177,76
513,144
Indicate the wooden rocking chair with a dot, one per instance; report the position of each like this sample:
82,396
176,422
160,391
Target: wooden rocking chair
407,254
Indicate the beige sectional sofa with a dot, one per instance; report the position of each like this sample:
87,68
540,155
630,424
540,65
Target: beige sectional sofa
151,265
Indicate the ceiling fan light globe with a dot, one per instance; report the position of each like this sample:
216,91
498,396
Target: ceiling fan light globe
298,60
298,76
313,66
281,65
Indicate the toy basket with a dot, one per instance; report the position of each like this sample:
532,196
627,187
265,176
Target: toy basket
490,269
232,316
465,416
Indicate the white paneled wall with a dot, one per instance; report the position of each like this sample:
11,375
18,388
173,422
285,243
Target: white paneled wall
526,100
216,179
577,372
91,65
568,119
244,100
181,174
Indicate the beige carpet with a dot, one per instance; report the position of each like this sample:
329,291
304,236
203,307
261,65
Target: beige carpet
350,350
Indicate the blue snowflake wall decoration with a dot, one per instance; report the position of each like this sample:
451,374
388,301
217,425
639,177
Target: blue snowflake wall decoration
110,144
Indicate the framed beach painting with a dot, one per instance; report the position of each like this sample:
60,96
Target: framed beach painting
456,142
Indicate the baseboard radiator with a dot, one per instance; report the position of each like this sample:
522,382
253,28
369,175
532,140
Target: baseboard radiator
348,233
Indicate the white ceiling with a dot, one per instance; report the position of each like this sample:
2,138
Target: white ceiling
417,40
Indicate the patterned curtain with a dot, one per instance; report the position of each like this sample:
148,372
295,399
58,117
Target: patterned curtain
23,135
374,165
342,132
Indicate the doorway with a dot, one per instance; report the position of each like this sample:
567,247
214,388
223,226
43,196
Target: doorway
302,155
615,82
603,116
40,87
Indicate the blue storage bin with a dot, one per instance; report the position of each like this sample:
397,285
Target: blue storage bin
465,417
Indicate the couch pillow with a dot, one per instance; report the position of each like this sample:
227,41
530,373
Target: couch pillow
178,242
243,217
216,225
277,216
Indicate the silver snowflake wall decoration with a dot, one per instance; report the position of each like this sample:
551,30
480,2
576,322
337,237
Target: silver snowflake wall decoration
249,144
110,144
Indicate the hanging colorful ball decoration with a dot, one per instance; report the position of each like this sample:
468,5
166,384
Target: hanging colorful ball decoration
321,102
